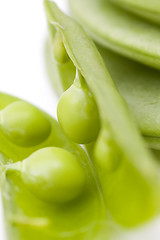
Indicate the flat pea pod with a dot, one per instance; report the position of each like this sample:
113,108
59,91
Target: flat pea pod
137,161
148,5
118,30
50,190
149,10
139,85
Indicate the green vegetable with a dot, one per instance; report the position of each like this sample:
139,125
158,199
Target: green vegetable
106,153
78,114
120,30
50,187
148,9
137,168
64,69
49,190
59,51
52,174
23,124
138,84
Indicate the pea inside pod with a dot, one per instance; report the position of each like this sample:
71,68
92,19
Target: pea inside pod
59,51
50,190
107,155
24,124
52,174
78,113
138,162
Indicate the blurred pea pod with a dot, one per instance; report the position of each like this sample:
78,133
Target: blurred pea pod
130,190
120,30
139,85
49,188
149,9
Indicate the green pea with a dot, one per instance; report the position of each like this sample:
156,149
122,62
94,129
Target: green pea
106,153
78,114
54,175
59,50
24,124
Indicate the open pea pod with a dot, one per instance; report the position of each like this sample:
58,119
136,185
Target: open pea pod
119,30
138,84
131,190
48,185
147,9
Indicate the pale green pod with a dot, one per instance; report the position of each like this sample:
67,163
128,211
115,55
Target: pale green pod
149,10
119,30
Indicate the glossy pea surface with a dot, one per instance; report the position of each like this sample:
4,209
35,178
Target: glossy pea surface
78,115
59,50
106,152
23,124
54,175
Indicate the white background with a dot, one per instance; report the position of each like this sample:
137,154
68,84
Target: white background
23,32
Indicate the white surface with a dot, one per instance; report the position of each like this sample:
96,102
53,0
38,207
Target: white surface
23,31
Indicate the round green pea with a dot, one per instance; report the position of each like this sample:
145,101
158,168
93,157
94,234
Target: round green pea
53,175
24,124
59,50
78,115
107,155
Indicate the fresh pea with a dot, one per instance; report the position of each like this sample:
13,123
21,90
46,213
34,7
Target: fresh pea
59,51
52,174
137,175
64,70
139,85
106,153
120,30
49,190
23,124
78,113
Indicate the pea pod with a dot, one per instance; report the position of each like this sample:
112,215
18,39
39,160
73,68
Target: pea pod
120,30
147,9
115,117
139,85
49,189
